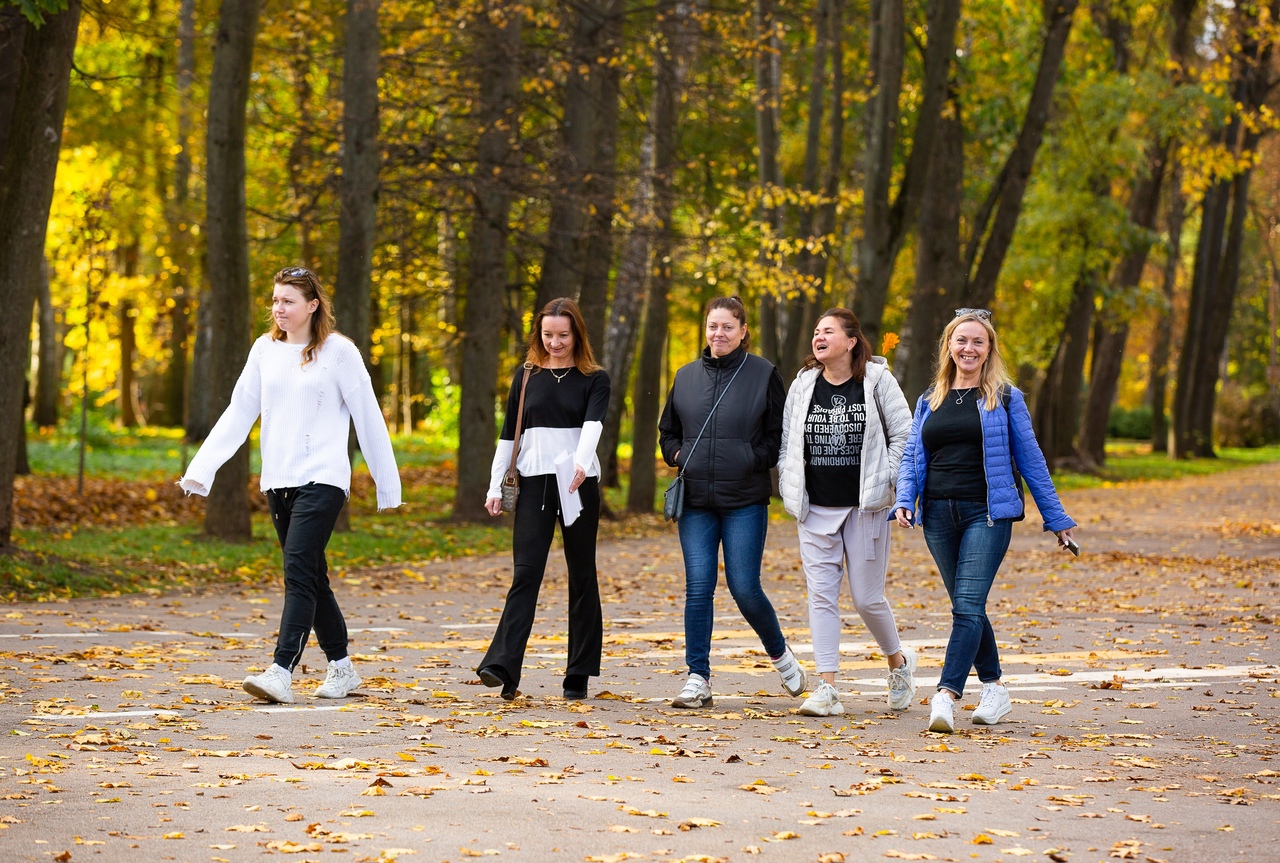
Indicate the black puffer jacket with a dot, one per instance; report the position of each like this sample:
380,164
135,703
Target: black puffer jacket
730,467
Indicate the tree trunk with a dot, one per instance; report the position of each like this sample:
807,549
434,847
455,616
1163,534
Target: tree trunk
199,420
940,275
227,510
885,223
49,374
1057,400
128,358
768,85
1158,376
602,185
358,186
497,52
676,22
629,292
563,261
173,396
34,92
994,226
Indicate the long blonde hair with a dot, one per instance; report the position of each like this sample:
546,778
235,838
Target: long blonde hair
993,380
323,324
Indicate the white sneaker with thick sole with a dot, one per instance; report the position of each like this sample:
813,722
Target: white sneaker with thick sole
274,684
696,694
339,682
994,705
902,681
825,701
942,718
794,680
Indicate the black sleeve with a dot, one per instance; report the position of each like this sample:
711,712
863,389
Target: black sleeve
766,451
598,397
670,429
513,405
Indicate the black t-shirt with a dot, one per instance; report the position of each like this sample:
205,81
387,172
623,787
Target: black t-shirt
952,435
833,443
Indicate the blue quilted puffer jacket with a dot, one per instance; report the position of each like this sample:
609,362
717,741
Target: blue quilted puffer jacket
1002,494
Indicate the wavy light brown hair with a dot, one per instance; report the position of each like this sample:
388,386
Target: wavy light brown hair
323,324
994,380
562,307
736,307
861,353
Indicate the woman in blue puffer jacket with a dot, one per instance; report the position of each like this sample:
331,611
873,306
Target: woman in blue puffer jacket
970,433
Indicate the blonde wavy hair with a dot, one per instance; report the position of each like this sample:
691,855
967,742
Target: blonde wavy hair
994,378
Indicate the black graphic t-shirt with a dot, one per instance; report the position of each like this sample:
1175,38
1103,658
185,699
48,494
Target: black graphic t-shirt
833,443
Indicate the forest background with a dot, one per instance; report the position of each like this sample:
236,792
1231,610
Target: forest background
1102,175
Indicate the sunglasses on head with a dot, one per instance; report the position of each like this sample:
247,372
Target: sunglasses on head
295,272
984,314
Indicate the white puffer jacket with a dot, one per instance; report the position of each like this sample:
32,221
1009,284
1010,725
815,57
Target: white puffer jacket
887,409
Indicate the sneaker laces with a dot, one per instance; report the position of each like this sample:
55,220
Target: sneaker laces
898,679
990,695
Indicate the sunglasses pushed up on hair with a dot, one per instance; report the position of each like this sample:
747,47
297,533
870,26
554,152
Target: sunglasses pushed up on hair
984,314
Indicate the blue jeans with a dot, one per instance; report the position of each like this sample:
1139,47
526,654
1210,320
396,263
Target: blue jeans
968,553
742,531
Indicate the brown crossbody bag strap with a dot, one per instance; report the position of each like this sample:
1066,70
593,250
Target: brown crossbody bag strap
512,478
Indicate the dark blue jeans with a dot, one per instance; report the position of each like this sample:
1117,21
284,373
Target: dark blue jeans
968,553
742,531
304,518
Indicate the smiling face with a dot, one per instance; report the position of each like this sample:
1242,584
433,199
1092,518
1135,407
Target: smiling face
557,339
724,332
969,347
832,346
291,312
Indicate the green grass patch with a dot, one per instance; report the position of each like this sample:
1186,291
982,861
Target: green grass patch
1133,461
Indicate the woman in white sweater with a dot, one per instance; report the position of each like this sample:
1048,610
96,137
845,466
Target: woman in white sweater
844,428
308,383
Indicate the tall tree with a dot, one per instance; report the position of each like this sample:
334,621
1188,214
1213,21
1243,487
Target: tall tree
227,510
1162,338
887,218
497,53
1223,211
676,22
35,74
767,61
49,374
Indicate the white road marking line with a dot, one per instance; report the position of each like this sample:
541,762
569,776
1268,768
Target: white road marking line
97,633
1132,676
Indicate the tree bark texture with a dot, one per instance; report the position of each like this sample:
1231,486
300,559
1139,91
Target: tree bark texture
940,276
601,185
199,416
1217,269
1161,349
35,91
498,29
994,226
676,24
886,223
768,86
49,373
227,510
1057,399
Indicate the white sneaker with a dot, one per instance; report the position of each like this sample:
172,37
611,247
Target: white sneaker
902,681
696,693
274,684
994,705
942,713
794,680
825,701
339,682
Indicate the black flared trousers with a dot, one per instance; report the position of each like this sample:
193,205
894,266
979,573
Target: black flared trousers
537,513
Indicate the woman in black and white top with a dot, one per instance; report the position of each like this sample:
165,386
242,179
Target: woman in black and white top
564,408
309,384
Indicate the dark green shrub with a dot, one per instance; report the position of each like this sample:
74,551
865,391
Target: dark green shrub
1132,424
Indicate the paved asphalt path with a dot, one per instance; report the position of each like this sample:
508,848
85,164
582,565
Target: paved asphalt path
1145,722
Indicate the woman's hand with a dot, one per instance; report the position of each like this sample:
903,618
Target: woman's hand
579,477
494,505
1064,535
904,516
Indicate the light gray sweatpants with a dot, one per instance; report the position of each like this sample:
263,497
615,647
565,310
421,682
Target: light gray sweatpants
830,537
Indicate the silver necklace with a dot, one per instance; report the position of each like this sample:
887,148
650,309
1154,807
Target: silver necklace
559,378
961,395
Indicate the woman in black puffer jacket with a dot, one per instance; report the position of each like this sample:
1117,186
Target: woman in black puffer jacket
727,488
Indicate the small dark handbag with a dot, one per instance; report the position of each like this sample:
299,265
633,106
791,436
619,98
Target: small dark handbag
673,498
511,481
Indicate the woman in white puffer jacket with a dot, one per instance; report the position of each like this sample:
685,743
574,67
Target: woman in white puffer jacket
844,429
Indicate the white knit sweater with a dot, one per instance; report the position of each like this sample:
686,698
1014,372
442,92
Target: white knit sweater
306,412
